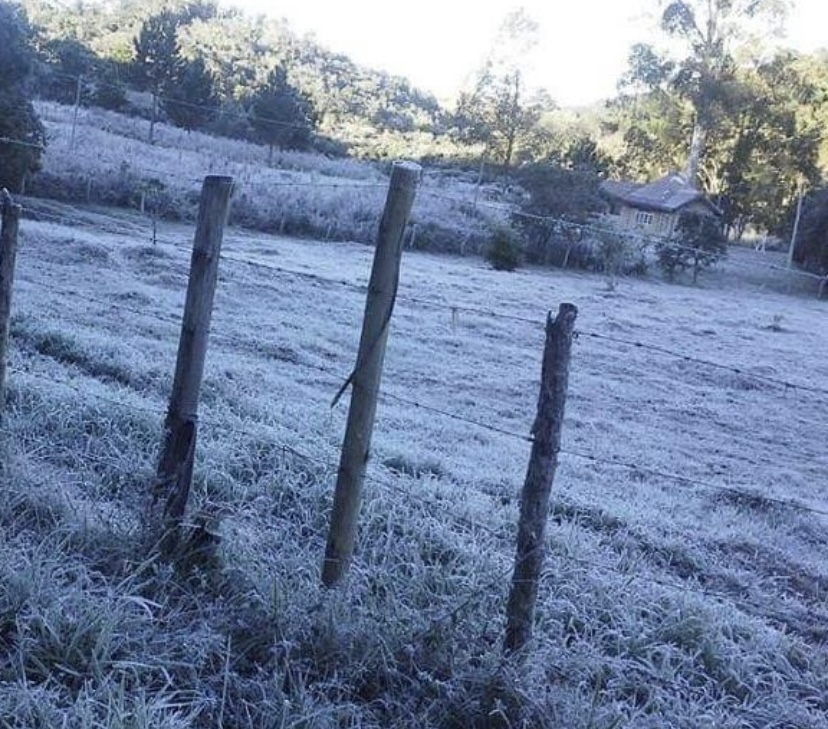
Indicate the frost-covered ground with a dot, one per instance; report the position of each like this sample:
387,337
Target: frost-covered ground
696,601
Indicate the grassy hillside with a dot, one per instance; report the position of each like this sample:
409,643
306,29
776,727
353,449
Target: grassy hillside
108,160
686,573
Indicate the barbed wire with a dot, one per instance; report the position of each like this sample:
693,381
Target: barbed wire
117,306
635,467
336,185
561,224
454,309
617,340
454,416
467,523
733,490
22,143
107,225
85,392
708,363
317,278
335,376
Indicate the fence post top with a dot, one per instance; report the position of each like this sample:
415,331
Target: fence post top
566,312
406,168
218,180
407,165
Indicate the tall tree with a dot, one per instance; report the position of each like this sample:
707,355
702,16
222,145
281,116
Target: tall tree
157,59
189,97
22,137
281,115
498,110
811,245
769,147
15,49
66,62
706,32
157,51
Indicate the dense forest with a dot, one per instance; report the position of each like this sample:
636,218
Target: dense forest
743,118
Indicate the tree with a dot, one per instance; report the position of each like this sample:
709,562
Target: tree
653,120
497,112
769,147
811,244
109,91
22,137
65,62
157,52
281,115
559,201
699,244
703,75
15,50
157,59
189,98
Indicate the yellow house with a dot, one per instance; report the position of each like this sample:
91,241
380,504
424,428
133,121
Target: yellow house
654,208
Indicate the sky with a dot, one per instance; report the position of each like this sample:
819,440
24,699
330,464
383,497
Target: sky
438,44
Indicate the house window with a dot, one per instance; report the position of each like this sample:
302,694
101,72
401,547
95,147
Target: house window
643,219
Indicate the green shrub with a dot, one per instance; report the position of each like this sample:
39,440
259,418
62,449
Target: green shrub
699,244
504,251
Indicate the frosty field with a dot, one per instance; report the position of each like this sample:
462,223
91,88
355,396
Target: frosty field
686,575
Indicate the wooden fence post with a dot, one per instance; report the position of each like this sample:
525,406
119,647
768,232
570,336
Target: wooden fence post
175,466
10,213
534,502
365,379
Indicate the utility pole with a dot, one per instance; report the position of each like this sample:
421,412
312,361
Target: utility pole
792,246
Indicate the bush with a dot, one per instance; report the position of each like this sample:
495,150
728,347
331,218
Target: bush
620,254
20,156
109,92
504,251
811,248
699,244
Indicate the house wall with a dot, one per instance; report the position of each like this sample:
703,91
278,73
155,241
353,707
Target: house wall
648,222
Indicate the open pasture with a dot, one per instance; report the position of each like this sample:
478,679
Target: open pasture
686,575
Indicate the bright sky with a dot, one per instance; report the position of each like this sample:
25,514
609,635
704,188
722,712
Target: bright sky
437,44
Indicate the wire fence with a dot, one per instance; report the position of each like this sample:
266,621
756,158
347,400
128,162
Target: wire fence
502,538
335,376
401,487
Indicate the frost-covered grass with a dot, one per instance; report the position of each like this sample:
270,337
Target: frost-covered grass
664,603
111,162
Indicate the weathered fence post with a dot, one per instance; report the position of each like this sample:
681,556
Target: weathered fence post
10,214
175,467
534,501
365,379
